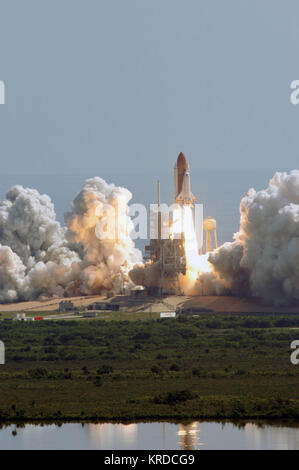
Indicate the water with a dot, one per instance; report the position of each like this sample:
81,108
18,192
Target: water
147,436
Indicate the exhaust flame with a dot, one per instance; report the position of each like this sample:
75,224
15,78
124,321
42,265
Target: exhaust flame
196,264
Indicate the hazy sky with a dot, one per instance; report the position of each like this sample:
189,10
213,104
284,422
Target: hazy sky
125,85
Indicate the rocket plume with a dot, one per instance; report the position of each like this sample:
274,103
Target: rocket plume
196,264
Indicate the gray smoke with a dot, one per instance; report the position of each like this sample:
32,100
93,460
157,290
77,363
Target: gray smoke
146,275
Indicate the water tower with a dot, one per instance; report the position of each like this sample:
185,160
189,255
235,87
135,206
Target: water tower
210,241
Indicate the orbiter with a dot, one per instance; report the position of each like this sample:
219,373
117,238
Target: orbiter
182,185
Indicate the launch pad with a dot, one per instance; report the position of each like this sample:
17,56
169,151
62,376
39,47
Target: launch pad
170,255
196,304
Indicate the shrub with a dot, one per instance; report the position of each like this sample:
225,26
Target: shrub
38,373
98,381
161,356
156,370
172,398
142,335
105,369
196,372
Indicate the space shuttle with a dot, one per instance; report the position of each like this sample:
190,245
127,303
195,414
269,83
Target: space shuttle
182,185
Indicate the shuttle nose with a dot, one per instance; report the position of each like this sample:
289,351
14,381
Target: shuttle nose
181,161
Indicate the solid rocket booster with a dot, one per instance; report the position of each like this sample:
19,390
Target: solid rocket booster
182,185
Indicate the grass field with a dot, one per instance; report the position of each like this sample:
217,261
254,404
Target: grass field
213,365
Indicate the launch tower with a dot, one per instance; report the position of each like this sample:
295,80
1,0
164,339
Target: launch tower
168,252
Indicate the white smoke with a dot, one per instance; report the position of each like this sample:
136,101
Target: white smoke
34,257
39,258
107,261
263,259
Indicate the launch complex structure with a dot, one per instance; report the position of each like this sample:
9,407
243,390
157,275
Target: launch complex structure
166,249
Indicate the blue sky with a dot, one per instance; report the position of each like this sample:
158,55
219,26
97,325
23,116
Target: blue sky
96,86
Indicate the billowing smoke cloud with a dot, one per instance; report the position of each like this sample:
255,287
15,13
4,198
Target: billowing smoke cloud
34,257
147,275
263,259
39,258
107,255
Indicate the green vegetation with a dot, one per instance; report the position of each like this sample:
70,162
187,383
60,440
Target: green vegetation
210,366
